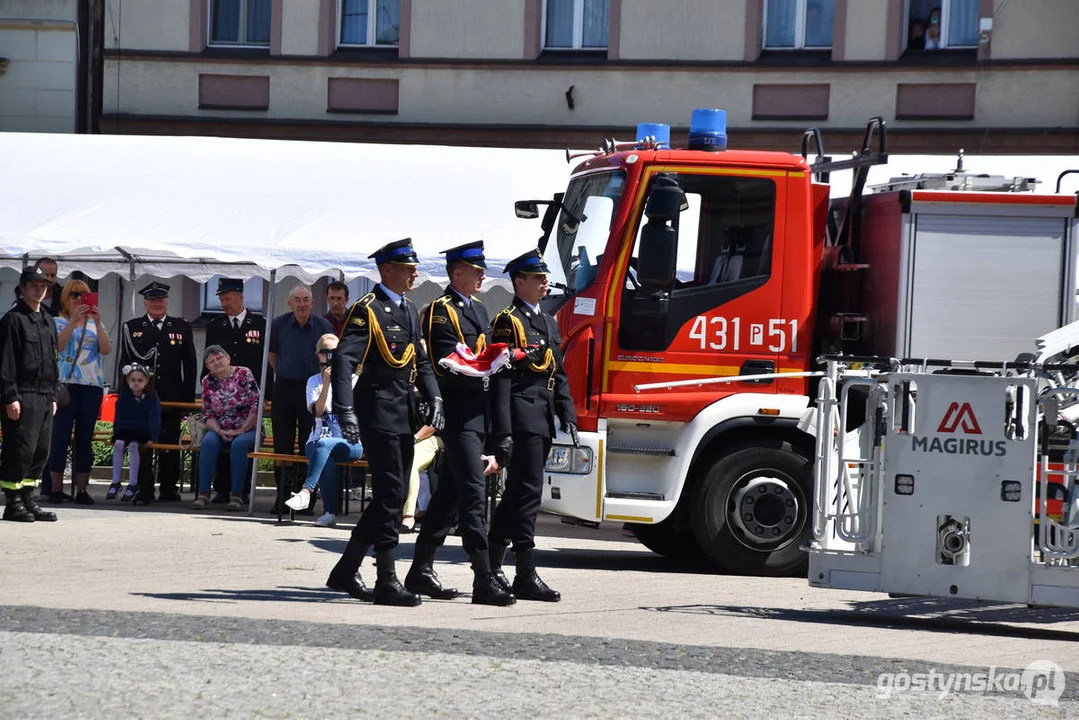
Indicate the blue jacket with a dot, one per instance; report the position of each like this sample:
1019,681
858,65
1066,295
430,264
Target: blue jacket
138,415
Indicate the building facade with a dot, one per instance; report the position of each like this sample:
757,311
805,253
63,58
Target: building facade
44,65
993,76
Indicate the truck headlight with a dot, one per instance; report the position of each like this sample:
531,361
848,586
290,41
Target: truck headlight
568,459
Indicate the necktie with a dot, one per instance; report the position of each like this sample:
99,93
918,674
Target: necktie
401,304
235,323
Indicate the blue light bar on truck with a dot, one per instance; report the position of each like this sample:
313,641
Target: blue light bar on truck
660,132
708,130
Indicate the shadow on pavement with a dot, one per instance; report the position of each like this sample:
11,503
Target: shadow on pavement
286,593
947,616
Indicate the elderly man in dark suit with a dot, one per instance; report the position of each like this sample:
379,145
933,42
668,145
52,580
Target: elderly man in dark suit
163,343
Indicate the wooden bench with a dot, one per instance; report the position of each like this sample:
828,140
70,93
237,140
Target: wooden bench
300,461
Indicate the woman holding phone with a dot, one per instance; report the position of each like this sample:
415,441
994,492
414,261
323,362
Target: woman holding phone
82,341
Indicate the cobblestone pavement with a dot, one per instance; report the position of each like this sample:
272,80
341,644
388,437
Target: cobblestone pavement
162,612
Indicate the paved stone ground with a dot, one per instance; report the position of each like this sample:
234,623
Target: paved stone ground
165,612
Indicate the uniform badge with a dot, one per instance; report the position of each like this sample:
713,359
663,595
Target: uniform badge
387,308
358,322
438,319
136,334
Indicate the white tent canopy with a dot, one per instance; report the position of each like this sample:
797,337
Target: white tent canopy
198,207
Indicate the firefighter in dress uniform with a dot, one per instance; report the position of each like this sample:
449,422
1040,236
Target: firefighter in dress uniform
28,379
381,343
526,401
165,344
242,334
458,317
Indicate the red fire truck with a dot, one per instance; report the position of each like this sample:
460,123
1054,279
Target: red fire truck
687,278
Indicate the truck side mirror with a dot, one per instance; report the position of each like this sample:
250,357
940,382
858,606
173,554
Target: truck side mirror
526,209
657,255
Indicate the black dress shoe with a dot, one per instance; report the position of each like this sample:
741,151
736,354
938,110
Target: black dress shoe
424,581
390,592
529,586
220,499
83,498
170,497
487,591
60,497
352,586
501,579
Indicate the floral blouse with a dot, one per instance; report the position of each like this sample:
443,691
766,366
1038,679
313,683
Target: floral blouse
231,400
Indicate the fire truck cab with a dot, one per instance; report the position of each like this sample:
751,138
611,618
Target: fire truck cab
694,289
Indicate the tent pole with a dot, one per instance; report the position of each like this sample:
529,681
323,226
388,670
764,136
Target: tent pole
262,391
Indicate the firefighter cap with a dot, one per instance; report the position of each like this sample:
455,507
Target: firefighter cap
469,253
399,252
531,263
155,290
225,285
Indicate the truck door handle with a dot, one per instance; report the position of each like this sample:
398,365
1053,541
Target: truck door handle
758,367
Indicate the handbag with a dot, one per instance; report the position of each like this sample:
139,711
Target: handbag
193,428
63,394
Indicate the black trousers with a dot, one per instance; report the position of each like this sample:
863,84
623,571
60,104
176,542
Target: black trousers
461,494
515,517
389,460
289,413
168,464
25,448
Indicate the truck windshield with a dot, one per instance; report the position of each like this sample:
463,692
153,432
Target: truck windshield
584,225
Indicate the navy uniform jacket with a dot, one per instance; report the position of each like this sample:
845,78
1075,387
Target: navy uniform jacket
170,353
381,344
244,346
447,321
27,353
528,397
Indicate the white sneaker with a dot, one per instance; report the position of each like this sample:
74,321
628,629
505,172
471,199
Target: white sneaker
326,520
299,501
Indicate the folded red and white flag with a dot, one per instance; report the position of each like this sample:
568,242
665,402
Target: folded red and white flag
493,358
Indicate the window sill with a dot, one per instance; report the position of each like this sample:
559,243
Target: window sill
960,57
232,51
550,56
795,58
366,54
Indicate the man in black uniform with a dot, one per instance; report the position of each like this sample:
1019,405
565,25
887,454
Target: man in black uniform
164,344
527,399
381,343
28,377
242,334
458,317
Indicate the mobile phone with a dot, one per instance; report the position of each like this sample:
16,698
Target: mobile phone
90,299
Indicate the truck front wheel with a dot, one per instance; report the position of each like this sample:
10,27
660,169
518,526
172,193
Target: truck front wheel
752,510
670,540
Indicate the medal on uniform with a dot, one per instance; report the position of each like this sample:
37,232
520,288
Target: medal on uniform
387,308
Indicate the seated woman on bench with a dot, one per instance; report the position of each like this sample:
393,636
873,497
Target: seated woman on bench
230,405
326,447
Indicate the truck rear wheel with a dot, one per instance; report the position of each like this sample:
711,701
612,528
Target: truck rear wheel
752,510
666,538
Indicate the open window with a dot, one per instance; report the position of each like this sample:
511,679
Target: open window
942,24
723,250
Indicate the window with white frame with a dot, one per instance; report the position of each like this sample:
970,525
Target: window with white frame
240,22
941,24
576,24
370,22
798,24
